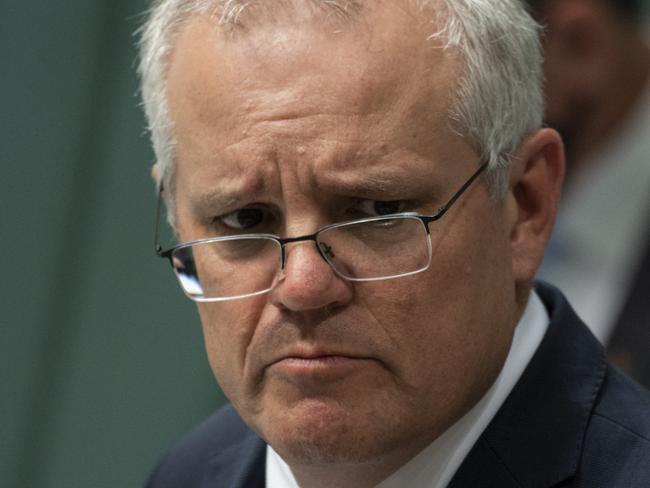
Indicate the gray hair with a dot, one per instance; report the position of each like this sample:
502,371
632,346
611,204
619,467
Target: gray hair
499,97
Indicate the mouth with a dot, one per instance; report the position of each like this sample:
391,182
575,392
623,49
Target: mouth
321,366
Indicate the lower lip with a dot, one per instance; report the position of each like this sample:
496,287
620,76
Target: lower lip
318,366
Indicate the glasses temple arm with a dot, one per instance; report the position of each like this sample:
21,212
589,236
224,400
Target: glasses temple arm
441,210
157,246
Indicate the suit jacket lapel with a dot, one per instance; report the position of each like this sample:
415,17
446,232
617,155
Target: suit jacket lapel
536,438
240,465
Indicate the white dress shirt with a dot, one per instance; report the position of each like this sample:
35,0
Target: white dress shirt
435,466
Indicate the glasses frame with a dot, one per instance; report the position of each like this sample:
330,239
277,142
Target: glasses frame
283,241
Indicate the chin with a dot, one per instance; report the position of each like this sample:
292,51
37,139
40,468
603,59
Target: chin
321,432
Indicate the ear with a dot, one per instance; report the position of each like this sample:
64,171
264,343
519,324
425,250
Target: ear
536,177
155,174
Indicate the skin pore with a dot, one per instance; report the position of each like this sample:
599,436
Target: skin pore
314,123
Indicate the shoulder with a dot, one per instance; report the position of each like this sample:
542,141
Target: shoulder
591,421
625,403
190,461
617,442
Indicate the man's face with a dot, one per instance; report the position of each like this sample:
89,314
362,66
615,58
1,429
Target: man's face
295,120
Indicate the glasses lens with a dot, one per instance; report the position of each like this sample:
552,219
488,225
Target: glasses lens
226,269
378,248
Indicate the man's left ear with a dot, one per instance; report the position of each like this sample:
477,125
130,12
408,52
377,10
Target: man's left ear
155,174
536,177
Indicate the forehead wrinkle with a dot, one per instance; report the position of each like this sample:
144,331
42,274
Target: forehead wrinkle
381,92
374,170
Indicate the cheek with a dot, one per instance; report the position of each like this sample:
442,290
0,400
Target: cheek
480,297
228,329
452,323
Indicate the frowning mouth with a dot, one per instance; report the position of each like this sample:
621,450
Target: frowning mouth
325,365
325,359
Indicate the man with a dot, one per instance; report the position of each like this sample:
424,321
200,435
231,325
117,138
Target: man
597,66
363,194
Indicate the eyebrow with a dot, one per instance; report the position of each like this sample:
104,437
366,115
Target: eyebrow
230,192
219,199
382,183
215,199
369,185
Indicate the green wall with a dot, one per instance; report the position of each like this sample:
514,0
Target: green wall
101,360
101,357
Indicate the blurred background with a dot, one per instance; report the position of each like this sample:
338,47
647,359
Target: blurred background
102,365
101,358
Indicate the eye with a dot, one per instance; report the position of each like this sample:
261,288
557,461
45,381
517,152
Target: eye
245,219
375,208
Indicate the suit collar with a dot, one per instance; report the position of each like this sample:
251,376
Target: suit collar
536,438
239,465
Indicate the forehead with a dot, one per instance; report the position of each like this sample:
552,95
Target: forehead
370,83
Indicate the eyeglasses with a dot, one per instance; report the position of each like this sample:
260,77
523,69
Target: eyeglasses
369,249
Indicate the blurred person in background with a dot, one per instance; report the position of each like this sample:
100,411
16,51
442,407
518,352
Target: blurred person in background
597,68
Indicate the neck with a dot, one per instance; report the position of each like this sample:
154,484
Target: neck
360,474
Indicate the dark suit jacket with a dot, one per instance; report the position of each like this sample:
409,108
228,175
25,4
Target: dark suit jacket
572,420
629,345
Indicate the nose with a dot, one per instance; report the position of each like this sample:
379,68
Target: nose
308,282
